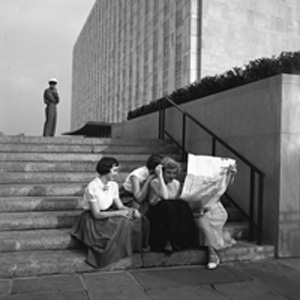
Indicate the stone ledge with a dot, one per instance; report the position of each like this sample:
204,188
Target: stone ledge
37,263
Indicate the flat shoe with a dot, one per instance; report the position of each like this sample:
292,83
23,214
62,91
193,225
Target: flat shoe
168,248
213,264
146,249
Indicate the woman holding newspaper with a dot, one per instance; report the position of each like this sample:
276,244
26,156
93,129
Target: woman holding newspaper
207,180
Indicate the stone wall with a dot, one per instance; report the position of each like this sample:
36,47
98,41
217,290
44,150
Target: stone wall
234,32
129,54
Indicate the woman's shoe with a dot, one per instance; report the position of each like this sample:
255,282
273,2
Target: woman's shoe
168,249
214,262
146,249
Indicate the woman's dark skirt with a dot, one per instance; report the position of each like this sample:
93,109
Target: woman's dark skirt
171,220
108,240
128,200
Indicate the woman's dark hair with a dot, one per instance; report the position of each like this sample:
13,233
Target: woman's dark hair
153,161
105,164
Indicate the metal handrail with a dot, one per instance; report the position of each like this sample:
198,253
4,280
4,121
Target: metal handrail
253,169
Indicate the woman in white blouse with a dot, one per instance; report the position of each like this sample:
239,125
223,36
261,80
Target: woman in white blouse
109,229
134,191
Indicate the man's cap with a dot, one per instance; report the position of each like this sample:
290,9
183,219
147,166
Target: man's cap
52,80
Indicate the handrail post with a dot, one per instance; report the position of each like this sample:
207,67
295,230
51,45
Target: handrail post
260,210
251,205
159,120
163,118
213,149
183,137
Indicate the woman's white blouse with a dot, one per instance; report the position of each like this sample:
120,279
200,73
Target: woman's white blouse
140,173
173,189
103,194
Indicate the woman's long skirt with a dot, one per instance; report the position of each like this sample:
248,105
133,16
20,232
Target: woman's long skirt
108,240
128,200
211,225
171,220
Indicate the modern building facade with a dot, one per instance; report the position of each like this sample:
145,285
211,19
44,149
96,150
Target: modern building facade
131,52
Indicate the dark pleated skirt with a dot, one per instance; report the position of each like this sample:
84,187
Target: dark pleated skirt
171,220
108,240
128,200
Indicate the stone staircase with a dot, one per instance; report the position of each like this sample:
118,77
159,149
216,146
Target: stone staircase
41,185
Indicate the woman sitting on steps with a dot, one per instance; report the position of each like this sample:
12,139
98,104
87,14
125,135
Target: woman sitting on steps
134,191
172,225
108,229
206,181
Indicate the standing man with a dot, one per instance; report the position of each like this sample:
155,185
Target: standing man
51,98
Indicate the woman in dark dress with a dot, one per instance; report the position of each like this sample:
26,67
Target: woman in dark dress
172,225
109,229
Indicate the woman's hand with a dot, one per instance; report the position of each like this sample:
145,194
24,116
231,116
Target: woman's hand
125,213
159,170
136,214
130,214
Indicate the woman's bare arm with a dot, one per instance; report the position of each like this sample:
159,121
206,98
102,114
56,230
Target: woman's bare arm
162,190
98,214
140,192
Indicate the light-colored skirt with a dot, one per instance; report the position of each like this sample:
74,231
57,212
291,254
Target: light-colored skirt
211,227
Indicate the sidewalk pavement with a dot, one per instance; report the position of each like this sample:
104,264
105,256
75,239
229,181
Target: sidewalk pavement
277,279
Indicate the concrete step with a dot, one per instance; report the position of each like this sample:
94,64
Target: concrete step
56,189
37,239
73,157
53,177
42,177
32,240
92,148
37,220
23,204
42,183
19,204
61,166
65,219
58,157
241,251
78,140
38,263
44,189
238,230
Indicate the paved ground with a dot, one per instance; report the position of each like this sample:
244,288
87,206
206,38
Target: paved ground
272,279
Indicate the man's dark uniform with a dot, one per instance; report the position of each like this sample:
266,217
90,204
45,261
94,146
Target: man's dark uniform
51,99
